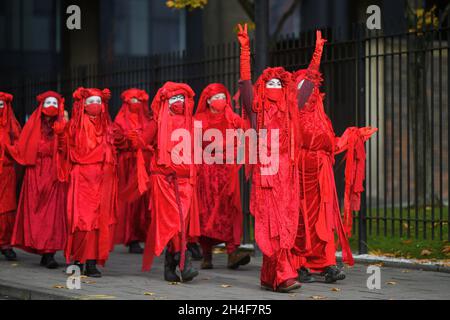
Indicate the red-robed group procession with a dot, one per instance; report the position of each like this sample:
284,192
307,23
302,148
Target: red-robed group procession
91,183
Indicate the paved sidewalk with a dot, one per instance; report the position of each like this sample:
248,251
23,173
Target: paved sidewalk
122,279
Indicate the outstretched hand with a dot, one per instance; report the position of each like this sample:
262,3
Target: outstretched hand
367,132
243,37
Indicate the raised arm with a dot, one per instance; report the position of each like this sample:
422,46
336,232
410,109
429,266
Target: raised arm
312,77
245,82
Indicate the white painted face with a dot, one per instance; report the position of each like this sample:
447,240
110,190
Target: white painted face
218,96
2,104
177,98
50,102
94,100
134,100
300,84
274,83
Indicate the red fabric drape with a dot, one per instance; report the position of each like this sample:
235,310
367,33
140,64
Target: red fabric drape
9,133
133,162
41,216
218,184
92,195
167,177
274,198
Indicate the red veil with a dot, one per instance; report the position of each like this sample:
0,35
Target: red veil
166,221
92,144
125,120
25,151
9,126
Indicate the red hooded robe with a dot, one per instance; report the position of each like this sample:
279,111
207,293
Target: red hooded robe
318,145
274,198
41,216
174,215
92,195
218,184
9,133
133,217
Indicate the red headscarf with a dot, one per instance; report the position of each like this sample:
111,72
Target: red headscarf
210,91
80,137
25,152
126,120
9,125
124,116
160,107
285,105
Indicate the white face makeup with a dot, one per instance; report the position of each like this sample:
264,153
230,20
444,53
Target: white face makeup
274,84
219,96
94,100
2,104
300,84
177,98
50,102
134,100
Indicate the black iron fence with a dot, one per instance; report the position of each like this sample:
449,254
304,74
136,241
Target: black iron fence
398,83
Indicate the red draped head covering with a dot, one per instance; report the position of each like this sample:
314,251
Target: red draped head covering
160,108
78,132
7,117
210,91
9,126
207,93
124,116
286,105
25,152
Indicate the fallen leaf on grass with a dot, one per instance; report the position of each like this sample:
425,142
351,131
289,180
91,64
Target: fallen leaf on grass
336,289
446,249
59,286
149,294
174,283
226,286
406,271
89,282
14,264
407,241
83,277
293,295
425,252
392,283
318,297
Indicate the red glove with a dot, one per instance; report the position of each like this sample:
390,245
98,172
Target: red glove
367,132
244,41
315,61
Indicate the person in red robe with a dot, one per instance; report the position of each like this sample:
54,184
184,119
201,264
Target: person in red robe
218,184
174,207
318,145
274,197
134,132
92,195
40,225
9,133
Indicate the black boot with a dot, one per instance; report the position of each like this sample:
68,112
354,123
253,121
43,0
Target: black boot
91,269
79,265
189,271
305,276
135,247
48,261
170,267
9,254
194,248
333,274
